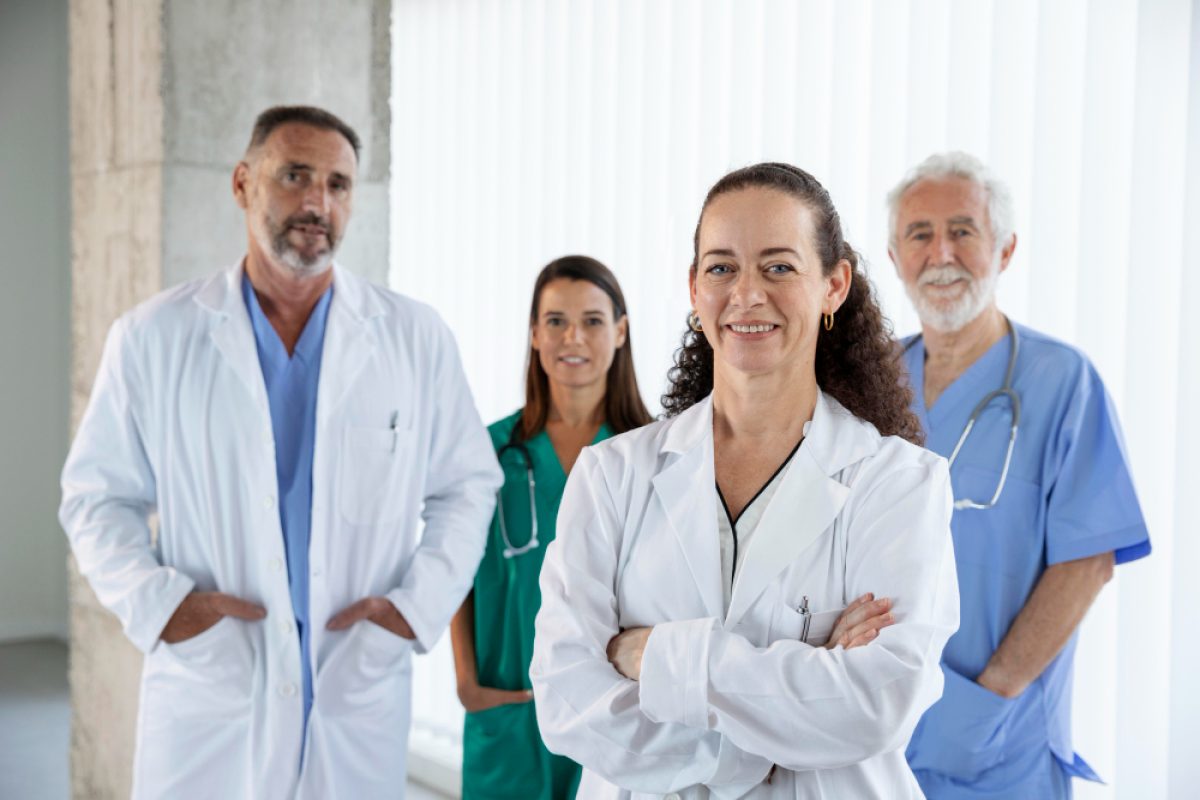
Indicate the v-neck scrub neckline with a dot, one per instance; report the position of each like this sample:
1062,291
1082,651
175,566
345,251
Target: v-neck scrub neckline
968,384
727,527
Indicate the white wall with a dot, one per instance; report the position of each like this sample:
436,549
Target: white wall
526,130
35,306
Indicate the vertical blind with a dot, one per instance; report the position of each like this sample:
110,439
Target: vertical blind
528,129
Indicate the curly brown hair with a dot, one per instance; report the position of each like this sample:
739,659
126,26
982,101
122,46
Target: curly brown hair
857,362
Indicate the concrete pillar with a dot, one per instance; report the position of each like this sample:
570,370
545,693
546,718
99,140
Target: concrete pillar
163,96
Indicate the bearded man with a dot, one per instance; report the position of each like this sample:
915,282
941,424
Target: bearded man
1044,502
290,424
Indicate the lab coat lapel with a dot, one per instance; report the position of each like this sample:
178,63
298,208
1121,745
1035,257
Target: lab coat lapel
807,501
349,340
686,490
232,334
805,504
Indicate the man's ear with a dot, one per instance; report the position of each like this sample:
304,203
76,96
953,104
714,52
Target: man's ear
1006,253
241,180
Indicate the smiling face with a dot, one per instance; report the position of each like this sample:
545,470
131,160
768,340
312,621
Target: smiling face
575,334
297,191
945,253
758,285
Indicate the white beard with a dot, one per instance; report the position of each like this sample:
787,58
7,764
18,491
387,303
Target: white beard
287,255
949,316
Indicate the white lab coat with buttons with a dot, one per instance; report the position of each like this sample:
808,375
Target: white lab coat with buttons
723,697
178,424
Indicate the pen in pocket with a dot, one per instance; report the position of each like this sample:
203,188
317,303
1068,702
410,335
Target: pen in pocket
807,618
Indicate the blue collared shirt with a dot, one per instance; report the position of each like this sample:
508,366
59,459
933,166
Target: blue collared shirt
1069,495
292,396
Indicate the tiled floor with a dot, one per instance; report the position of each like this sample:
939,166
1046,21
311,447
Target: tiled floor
35,716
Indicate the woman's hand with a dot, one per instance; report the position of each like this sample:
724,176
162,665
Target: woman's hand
625,651
861,622
480,698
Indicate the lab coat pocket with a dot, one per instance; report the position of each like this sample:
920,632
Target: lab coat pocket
964,733
371,479
812,628
366,676
210,674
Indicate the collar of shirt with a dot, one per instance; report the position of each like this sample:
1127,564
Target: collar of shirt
270,347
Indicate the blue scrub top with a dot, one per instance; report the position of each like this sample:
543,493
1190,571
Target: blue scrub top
1069,495
292,397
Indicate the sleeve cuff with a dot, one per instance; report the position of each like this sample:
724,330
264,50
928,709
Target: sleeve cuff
145,633
1127,544
426,638
674,681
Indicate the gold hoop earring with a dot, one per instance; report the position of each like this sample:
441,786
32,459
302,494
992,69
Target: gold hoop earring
694,322
829,322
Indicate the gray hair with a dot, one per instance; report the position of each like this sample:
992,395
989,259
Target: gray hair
957,164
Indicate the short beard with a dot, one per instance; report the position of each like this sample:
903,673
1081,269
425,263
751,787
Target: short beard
273,239
953,317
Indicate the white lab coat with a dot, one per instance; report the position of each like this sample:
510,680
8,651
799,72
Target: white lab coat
724,697
178,423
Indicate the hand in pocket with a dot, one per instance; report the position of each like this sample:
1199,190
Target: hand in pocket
199,611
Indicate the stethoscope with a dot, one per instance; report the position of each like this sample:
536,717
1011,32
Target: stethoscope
511,550
1014,400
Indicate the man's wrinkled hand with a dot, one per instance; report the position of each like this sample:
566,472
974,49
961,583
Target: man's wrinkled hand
378,610
199,611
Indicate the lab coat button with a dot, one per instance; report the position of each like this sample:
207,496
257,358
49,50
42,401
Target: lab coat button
288,689
286,627
672,796
276,564
269,502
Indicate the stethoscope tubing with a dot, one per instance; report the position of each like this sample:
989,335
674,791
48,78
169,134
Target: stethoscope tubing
511,550
1014,400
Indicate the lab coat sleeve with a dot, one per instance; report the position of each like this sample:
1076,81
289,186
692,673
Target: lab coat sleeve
588,711
806,707
460,495
108,493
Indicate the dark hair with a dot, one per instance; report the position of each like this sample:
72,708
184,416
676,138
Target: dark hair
272,118
857,362
623,406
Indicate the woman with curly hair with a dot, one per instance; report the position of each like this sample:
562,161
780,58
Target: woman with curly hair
750,597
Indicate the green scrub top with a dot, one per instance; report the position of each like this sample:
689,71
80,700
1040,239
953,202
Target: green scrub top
503,754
